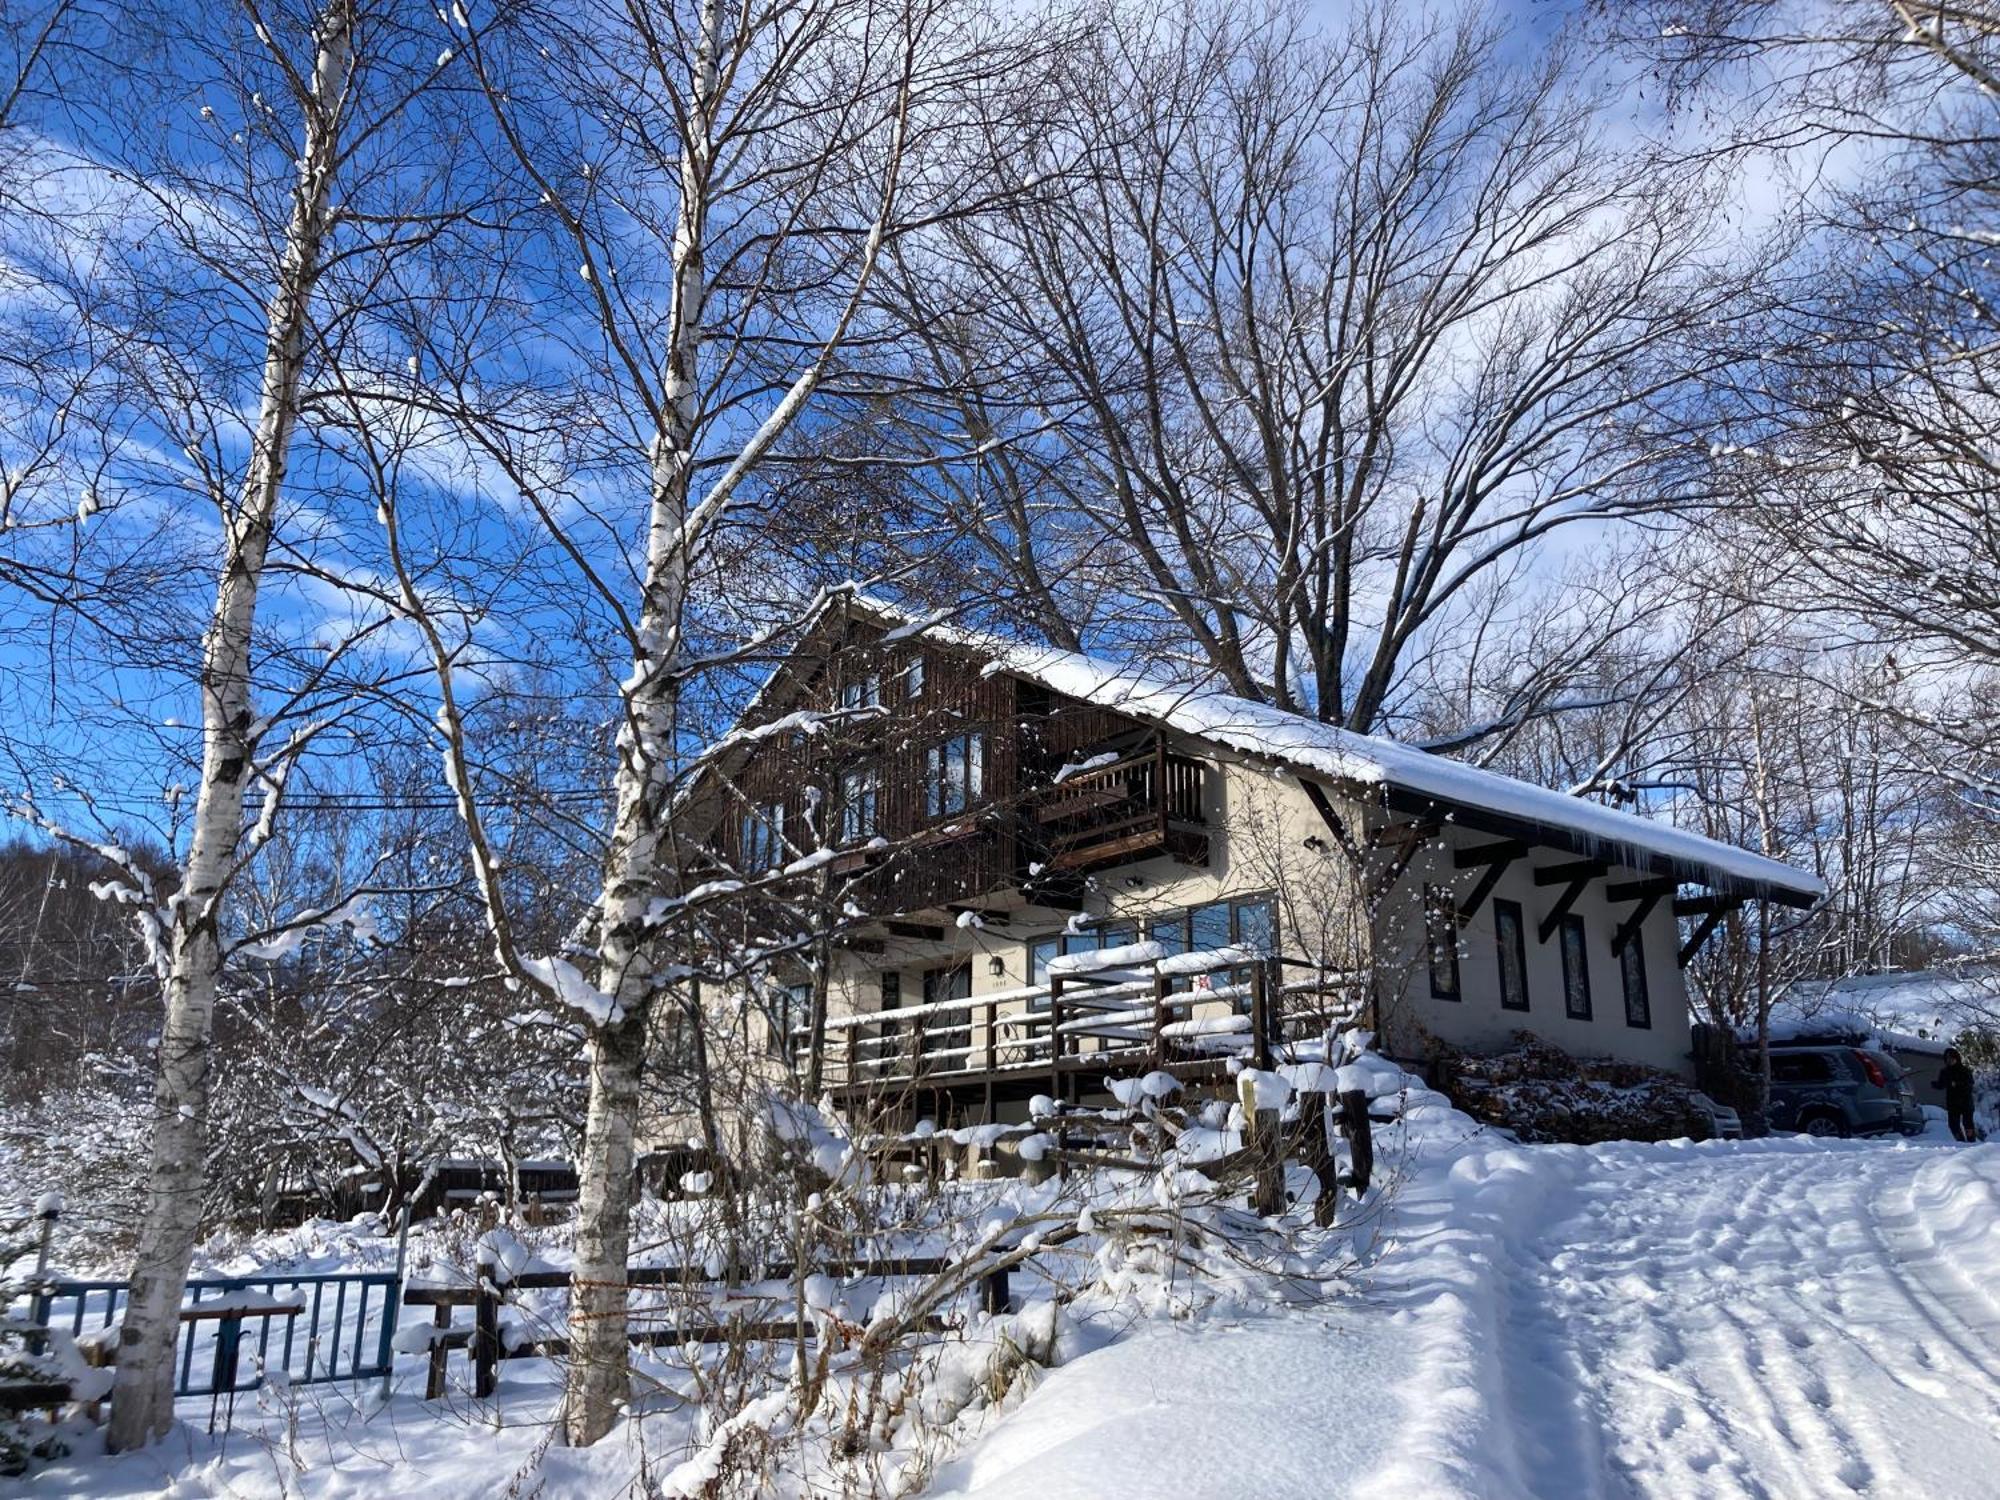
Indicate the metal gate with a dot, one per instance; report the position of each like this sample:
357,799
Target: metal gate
238,1332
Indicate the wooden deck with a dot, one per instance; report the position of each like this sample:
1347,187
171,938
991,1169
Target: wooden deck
1188,1015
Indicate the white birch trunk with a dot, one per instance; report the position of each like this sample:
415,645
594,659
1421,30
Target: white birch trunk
142,1397
634,871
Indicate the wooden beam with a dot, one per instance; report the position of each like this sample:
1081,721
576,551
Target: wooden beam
1569,874
1323,805
1629,928
920,930
1414,835
1697,906
1591,870
1641,890
1700,935
1505,852
1469,908
861,945
1401,834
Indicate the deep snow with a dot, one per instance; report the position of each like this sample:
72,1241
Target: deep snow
1784,1319
1781,1319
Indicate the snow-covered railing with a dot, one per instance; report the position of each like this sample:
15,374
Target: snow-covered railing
1107,1007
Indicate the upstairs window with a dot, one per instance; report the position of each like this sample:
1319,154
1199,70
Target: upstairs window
954,775
862,692
1632,975
1441,925
860,805
1509,936
913,678
761,836
1576,969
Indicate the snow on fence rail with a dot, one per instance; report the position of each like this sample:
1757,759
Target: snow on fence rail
1123,1007
486,1343
308,1329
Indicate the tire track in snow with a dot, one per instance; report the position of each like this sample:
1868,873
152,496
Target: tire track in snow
1744,1321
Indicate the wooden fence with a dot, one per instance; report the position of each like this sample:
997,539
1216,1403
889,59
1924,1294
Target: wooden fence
482,1342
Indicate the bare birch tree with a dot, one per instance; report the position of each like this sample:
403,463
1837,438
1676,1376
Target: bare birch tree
194,238
715,188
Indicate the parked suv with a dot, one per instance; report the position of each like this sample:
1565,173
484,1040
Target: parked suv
1837,1090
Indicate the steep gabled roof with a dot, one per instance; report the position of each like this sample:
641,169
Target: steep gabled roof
1404,776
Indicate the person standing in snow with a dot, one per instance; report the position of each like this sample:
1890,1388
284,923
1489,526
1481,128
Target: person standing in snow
1955,1078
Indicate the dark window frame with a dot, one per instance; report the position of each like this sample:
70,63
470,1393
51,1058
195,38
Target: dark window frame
1573,927
1631,964
957,1031
1441,936
864,691
944,798
860,787
760,835
1504,912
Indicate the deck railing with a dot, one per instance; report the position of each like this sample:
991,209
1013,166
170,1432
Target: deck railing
1158,1011
1119,806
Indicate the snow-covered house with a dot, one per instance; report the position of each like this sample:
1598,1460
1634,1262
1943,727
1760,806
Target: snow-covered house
1043,869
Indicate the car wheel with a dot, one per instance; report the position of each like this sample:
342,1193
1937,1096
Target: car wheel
1823,1125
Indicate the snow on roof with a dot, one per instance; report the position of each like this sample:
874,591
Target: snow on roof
1926,1006
1368,760
1341,755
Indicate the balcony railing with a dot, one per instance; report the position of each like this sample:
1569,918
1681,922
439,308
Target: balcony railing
1231,1005
1115,811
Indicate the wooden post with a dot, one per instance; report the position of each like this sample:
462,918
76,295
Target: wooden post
993,1294
1055,1037
852,1051
1265,1137
39,1312
486,1326
1260,1050
1162,987
1360,1133
992,1039
434,1377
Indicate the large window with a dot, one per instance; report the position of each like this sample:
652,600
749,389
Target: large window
1510,937
892,999
1632,975
1441,924
1247,922
762,837
1576,968
954,774
860,804
953,1030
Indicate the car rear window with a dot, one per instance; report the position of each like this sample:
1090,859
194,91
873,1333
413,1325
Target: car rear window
1800,1067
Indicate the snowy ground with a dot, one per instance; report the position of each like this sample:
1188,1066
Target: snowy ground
1784,1319
1780,1319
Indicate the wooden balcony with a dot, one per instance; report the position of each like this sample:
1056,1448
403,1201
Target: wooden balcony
1119,810
1189,1018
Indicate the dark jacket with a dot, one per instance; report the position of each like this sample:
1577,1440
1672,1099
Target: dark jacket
1956,1081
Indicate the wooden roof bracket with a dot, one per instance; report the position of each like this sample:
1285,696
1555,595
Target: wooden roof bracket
1414,837
1495,858
1713,911
1573,877
1649,894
